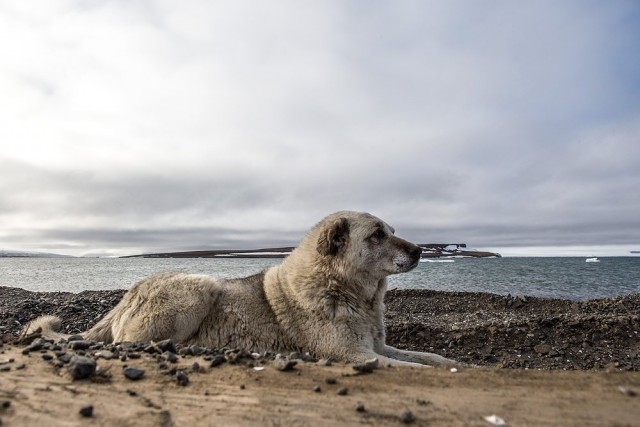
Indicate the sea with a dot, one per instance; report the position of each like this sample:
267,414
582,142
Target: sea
562,277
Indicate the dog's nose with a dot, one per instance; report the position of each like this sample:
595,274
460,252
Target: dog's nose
416,252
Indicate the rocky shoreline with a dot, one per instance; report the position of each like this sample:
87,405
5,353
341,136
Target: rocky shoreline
478,328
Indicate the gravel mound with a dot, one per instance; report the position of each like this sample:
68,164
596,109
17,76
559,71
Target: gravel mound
479,328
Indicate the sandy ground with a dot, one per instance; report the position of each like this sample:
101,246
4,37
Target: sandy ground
33,392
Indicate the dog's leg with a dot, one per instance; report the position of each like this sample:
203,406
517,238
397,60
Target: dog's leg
385,360
418,357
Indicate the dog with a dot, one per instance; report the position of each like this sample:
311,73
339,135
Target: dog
325,298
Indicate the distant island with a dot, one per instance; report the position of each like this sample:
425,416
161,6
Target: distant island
25,254
429,250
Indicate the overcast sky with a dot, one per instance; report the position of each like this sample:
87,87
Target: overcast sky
143,126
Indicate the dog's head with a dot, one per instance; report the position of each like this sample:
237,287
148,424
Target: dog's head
364,245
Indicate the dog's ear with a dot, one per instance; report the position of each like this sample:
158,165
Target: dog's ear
334,237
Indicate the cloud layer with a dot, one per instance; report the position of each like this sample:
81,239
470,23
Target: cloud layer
142,126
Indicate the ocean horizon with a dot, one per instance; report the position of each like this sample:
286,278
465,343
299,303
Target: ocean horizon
549,277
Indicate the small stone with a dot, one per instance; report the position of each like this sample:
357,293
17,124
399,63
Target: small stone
47,357
283,363
407,417
171,357
132,392
367,367
360,408
133,373
242,387
217,360
343,391
196,350
325,362
628,391
542,348
106,354
6,404
81,367
182,378
317,389
80,345
331,380
87,411
21,366
36,345
75,338
166,345
195,367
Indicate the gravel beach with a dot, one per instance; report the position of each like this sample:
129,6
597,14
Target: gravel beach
478,328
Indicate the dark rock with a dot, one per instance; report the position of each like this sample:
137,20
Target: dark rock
407,417
317,388
331,380
217,360
133,373
75,338
182,378
81,367
171,357
80,345
367,367
166,345
87,411
343,391
360,408
35,345
47,357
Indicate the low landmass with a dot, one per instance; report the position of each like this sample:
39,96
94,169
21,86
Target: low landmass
429,250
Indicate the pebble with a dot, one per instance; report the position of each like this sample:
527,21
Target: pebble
182,378
6,404
283,363
81,367
171,357
367,367
343,391
217,360
360,408
87,411
331,380
133,373
317,388
167,345
80,345
407,417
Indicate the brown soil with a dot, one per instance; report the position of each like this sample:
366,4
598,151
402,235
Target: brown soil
41,394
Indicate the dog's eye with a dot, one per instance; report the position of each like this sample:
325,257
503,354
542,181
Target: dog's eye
379,234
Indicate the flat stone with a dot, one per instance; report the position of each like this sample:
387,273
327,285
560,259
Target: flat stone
133,373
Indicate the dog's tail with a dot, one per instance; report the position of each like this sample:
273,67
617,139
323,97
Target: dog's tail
101,331
49,327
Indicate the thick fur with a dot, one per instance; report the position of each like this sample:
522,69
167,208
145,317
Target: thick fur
326,298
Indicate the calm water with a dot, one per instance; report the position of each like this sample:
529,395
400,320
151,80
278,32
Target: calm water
571,278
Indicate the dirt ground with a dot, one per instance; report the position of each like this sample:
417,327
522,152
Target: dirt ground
34,392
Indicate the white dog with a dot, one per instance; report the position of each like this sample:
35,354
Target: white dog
326,298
